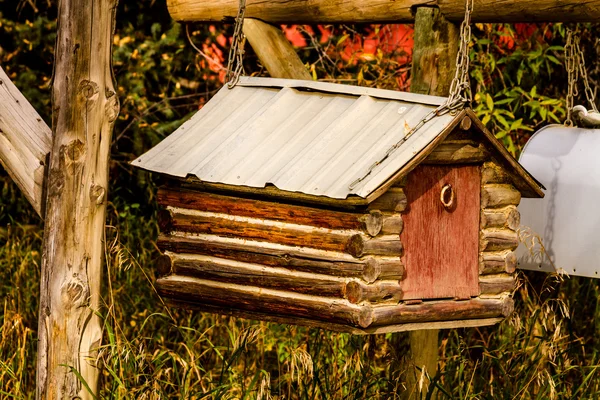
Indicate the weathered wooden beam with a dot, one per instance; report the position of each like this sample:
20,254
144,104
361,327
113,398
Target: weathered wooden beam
276,211
457,152
384,11
302,259
274,51
495,285
86,107
497,262
25,142
265,301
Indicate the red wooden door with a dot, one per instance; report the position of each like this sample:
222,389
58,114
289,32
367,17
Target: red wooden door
441,243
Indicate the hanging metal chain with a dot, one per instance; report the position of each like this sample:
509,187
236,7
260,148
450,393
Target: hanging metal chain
235,62
576,70
460,91
460,88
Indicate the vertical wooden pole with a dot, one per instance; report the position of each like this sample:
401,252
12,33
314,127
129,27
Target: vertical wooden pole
85,107
433,67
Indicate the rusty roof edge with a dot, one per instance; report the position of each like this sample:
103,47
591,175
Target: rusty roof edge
529,186
342,89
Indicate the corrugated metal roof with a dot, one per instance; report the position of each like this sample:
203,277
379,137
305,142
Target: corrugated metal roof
309,137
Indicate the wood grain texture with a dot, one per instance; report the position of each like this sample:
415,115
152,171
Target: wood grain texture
494,239
302,215
493,196
497,285
25,142
458,152
377,292
274,51
506,217
442,311
442,246
262,230
294,258
85,108
267,301
465,323
497,262
393,200
434,55
384,11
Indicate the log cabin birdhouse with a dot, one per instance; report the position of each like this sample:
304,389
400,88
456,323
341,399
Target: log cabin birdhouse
320,204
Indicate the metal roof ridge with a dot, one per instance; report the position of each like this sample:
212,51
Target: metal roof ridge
342,89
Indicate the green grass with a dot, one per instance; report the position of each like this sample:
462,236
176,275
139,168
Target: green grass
547,350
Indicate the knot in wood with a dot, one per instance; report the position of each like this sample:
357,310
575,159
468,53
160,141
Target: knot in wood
75,292
112,108
97,194
88,89
72,152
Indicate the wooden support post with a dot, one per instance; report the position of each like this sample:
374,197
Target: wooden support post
86,106
274,51
434,63
384,11
25,142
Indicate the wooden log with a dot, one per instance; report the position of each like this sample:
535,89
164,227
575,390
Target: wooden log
274,51
25,142
495,196
264,301
494,239
457,152
392,224
298,259
380,291
86,107
384,11
442,310
302,215
373,222
497,262
246,274
389,245
262,230
469,323
507,217
393,200
497,285
493,173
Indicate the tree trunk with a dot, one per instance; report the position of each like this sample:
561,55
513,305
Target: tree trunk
434,64
85,107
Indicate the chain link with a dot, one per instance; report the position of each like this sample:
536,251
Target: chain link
576,70
460,88
235,62
460,91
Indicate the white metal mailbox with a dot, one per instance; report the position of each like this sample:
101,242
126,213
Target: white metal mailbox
561,232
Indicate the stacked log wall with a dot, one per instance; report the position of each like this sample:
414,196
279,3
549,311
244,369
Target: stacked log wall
499,239
293,260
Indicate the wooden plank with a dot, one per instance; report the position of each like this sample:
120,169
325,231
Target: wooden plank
493,239
496,285
274,51
442,256
25,142
443,310
467,323
264,301
497,262
86,106
506,217
384,11
458,152
283,212
304,259
494,196
193,221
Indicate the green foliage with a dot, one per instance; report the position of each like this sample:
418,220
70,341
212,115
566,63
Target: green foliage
153,351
